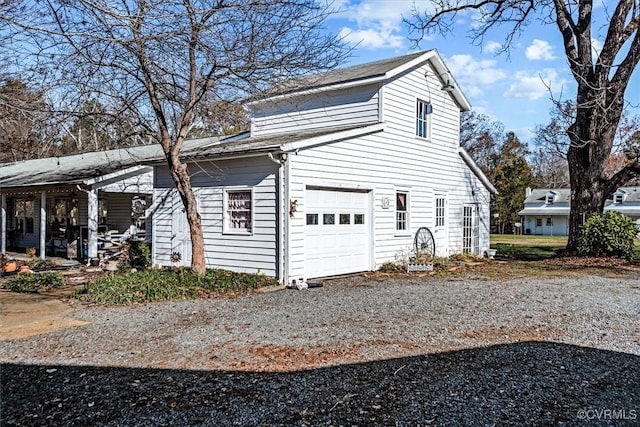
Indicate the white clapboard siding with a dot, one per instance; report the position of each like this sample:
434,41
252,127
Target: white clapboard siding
321,110
395,160
255,252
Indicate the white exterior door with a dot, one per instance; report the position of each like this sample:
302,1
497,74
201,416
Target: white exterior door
180,234
440,223
338,236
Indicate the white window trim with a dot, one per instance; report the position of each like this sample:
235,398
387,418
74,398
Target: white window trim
428,119
407,230
225,214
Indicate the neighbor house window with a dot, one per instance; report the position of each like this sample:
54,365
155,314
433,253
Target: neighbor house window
401,210
538,222
550,198
238,211
439,212
617,198
24,216
549,222
423,109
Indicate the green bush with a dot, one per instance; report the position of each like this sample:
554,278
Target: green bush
609,234
35,282
138,254
169,284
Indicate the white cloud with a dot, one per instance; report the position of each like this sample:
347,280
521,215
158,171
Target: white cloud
474,75
371,39
491,47
596,47
540,49
377,24
534,86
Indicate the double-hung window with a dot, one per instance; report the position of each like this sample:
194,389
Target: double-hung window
423,109
238,211
402,199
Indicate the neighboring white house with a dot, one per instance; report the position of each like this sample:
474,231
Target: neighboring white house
546,211
625,200
336,176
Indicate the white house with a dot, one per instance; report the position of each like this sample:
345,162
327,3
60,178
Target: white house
625,200
546,211
338,173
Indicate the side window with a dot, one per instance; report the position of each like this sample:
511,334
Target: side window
538,222
402,199
238,211
423,109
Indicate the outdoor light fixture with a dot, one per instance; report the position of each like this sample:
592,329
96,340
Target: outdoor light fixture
448,87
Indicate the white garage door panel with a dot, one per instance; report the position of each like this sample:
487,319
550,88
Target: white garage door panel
342,246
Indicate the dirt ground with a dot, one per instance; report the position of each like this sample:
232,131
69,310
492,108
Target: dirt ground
26,314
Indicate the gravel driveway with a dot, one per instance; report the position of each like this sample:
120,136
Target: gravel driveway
407,352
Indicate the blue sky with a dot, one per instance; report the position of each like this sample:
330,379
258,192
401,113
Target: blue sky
514,90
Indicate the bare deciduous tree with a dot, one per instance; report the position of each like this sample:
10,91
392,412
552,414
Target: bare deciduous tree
157,60
601,79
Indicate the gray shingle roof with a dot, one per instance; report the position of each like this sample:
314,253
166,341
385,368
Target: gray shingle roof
344,75
77,168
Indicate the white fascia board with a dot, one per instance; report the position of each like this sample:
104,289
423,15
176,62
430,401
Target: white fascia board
476,170
117,176
319,89
441,69
324,139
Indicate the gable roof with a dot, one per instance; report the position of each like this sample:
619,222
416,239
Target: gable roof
377,71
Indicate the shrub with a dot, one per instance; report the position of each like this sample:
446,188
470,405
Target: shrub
609,234
138,255
392,267
171,284
34,283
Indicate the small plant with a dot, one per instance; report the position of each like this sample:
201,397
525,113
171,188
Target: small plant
34,283
391,267
30,252
608,234
139,254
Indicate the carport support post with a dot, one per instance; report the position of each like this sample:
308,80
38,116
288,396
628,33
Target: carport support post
3,224
92,229
43,224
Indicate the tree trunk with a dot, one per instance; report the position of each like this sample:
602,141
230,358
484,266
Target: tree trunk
182,180
591,143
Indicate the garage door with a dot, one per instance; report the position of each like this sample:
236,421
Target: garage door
338,237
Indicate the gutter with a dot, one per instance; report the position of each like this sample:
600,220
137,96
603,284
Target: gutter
476,170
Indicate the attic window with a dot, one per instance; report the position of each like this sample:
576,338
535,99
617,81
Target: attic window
549,198
617,198
423,110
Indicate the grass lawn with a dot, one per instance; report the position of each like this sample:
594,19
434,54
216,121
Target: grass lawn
528,246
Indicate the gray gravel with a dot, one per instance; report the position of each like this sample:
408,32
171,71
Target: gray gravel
421,351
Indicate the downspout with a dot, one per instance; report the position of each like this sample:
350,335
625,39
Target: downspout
283,217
